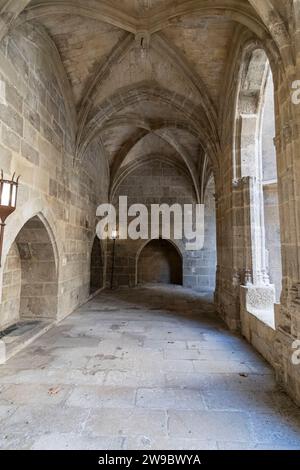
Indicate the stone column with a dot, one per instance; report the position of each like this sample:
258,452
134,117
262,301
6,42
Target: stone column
254,263
228,281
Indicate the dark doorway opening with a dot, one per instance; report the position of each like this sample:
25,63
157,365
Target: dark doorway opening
96,276
160,262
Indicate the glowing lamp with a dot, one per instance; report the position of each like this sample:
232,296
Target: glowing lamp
114,234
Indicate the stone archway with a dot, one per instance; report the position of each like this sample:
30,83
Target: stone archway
30,287
97,267
160,262
255,163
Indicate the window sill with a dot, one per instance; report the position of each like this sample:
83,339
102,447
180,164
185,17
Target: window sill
266,316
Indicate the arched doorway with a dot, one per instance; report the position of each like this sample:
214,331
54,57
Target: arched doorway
159,262
30,281
97,267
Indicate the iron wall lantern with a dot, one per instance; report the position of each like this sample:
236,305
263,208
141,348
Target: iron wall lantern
8,202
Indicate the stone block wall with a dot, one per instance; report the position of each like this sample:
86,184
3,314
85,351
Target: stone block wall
38,271
11,288
37,141
257,331
158,182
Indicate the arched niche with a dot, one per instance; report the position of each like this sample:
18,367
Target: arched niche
30,278
255,165
159,262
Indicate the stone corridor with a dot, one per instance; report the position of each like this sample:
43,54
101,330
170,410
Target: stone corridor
144,368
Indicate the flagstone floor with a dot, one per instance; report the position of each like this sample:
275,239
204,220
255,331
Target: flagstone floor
146,368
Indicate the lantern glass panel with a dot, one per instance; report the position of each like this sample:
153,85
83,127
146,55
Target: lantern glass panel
5,196
14,196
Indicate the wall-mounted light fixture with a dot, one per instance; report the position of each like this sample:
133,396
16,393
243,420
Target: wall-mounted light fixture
114,234
8,202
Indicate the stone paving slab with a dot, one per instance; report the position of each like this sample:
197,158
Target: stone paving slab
30,394
104,397
142,443
33,419
244,400
170,398
215,425
73,441
134,422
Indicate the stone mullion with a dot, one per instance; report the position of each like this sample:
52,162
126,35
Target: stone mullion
257,232
250,221
247,209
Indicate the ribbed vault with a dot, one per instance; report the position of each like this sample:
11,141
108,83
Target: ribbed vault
150,76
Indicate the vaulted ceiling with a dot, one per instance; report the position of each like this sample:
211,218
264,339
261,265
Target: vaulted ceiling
146,77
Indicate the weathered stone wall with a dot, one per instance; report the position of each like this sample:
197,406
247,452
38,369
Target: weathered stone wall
288,163
256,330
158,182
38,271
11,288
37,142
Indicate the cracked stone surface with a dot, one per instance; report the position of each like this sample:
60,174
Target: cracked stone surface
146,368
